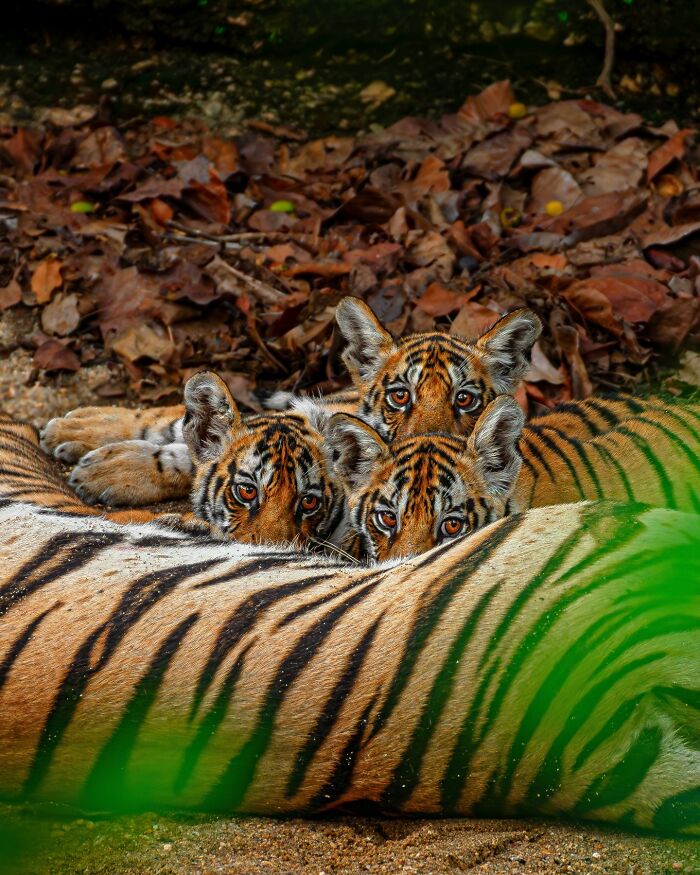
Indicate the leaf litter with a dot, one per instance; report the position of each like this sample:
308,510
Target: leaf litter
162,248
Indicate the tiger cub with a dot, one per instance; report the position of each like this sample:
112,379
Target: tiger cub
425,490
266,479
422,383
425,382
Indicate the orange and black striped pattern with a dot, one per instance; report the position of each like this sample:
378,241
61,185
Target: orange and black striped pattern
546,666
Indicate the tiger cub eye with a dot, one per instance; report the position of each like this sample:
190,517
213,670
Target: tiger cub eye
466,400
387,519
400,397
452,527
309,503
246,493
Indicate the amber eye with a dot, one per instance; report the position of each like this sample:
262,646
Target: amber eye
466,400
246,493
452,527
310,503
385,519
399,397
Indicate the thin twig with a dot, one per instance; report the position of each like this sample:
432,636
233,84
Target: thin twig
254,335
303,236
265,293
603,80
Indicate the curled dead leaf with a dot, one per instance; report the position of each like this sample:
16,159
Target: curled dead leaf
492,102
671,150
542,370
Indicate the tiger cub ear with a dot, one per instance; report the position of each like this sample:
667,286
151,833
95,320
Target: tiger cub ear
494,444
211,416
355,447
369,344
507,346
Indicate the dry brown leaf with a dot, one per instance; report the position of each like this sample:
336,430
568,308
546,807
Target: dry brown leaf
593,305
689,371
326,269
672,323
101,146
144,341
568,341
61,316
553,183
52,355
46,279
541,369
620,168
666,236
492,102
598,215
634,299
672,149
437,300
429,248
493,158
10,295
472,320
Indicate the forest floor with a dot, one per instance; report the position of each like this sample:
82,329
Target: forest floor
132,256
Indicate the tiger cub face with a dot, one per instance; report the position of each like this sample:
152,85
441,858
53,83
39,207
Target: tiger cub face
424,490
432,382
264,479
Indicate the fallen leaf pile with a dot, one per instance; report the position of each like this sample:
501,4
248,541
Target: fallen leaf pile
162,248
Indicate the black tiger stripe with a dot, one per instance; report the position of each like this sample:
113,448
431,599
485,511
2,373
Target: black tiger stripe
105,782
231,787
452,782
535,452
580,450
623,778
612,462
341,778
211,720
419,633
95,652
328,715
560,454
655,464
22,640
407,773
243,619
62,554
603,410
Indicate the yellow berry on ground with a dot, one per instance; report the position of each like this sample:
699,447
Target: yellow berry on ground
517,110
554,208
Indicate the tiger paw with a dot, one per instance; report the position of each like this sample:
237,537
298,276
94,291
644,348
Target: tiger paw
70,437
132,472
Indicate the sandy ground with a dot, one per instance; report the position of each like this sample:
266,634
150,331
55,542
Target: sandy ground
151,843
48,844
